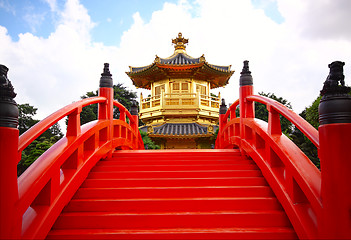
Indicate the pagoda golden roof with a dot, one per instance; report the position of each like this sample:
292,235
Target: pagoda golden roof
180,65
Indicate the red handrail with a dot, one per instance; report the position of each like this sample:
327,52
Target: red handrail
124,110
35,131
48,184
292,176
231,110
306,128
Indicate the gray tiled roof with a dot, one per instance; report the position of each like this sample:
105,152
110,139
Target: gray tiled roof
222,68
180,129
180,59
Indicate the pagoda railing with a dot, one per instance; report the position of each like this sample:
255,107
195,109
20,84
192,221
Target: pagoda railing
316,202
179,100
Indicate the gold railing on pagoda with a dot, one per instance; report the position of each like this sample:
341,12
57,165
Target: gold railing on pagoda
179,101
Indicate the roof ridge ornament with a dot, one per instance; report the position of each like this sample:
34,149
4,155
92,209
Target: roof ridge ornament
180,42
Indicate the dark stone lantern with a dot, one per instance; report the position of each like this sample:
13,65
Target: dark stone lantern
8,106
335,104
223,107
245,77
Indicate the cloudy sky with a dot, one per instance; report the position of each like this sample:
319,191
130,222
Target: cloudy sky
55,49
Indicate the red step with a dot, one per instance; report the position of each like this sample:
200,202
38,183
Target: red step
174,174
152,220
174,192
190,194
171,182
171,233
179,167
172,204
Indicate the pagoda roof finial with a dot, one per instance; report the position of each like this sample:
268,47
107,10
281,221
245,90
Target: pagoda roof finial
179,42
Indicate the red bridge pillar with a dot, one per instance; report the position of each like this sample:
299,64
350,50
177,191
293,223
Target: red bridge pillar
246,89
135,115
335,155
8,158
105,110
222,122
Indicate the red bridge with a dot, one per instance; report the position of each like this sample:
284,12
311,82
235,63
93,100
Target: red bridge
97,182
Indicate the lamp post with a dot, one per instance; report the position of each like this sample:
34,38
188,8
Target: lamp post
335,154
8,158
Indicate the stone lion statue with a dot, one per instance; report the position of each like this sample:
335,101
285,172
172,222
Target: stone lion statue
336,75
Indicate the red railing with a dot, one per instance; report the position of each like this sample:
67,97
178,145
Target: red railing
316,202
50,182
292,176
31,203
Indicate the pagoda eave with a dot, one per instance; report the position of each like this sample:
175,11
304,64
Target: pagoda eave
202,71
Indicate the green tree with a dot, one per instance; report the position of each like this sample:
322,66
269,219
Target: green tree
89,113
120,93
148,143
123,96
25,118
261,111
41,144
311,113
306,146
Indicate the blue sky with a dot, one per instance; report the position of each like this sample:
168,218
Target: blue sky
112,17
56,46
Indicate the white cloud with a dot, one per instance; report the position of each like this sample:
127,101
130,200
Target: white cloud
52,72
52,5
34,20
325,19
5,4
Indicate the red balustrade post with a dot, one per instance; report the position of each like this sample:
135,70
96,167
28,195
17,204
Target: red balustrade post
246,89
222,122
73,126
105,110
274,126
232,112
135,121
335,155
8,158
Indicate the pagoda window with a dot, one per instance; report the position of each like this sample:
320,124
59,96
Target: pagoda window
185,87
201,89
158,89
180,87
175,87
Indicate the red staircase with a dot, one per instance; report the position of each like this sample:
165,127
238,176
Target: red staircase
175,194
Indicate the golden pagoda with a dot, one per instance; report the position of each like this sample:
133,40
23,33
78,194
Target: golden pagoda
180,112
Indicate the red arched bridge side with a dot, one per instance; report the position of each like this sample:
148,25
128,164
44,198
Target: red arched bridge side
50,182
133,122
293,177
31,203
317,203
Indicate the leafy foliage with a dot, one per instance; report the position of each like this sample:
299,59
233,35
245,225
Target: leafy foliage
41,144
306,146
89,113
261,111
120,93
148,143
25,118
311,113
